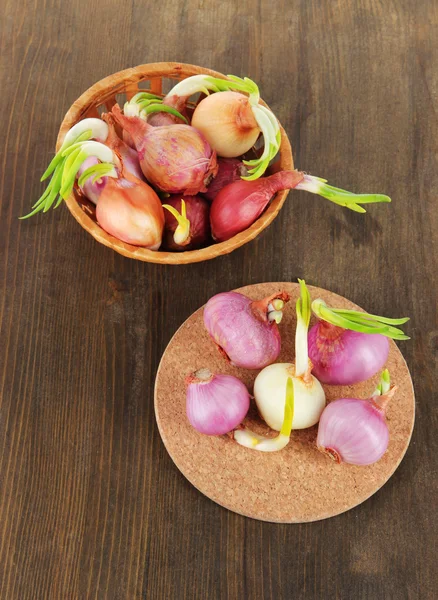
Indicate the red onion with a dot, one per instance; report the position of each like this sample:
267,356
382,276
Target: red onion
239,204
347,347
177,158
189,231
131,211
128,155
216,404
355,431
230,169
245,330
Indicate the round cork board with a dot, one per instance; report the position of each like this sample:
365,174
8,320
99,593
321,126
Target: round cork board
297,484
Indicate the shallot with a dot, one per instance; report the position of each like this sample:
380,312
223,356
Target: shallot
355,431
348,346
245,330
239,204
175,158
131,211
215,404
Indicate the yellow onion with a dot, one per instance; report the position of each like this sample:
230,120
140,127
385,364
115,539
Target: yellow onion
227,121
175,158
131,211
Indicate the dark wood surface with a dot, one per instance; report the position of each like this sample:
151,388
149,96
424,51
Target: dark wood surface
91,506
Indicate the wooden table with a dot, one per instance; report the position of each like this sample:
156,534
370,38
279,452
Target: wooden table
91,506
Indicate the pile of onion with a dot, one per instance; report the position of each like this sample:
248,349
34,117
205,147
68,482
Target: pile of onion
288,396
173,155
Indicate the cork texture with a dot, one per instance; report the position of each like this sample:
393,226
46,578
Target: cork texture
297,484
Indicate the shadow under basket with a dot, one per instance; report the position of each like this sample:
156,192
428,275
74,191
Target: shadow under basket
157,78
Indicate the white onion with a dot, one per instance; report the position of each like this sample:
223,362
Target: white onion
269,386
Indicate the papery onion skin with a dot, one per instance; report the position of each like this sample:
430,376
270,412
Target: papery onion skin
131,211
239,204
227,121
344,357
128,155
353,431
236,325
175,158
198,211
215,404
269,386
229,170
127,138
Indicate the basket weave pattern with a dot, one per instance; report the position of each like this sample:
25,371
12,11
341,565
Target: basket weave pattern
119,87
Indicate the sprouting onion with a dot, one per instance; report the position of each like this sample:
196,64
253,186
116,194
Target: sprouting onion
175,159
64,166
144,104
231,122
181,235
69,159
249,439
348,346
187,226
309,397
245,330
240,203
207,118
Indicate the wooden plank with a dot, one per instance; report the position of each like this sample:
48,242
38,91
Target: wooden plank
91,505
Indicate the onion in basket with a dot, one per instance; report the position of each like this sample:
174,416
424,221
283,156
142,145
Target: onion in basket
174,158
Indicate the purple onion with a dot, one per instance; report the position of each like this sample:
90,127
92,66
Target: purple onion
246,331
343,357
355,431
349,346
215,404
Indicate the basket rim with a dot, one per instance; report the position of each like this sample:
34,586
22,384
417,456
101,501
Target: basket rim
132,76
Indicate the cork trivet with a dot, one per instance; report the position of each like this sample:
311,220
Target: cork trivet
297,484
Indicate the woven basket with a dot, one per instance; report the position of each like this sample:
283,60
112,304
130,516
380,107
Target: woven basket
121,86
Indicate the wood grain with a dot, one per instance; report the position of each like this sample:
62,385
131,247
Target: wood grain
91,505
